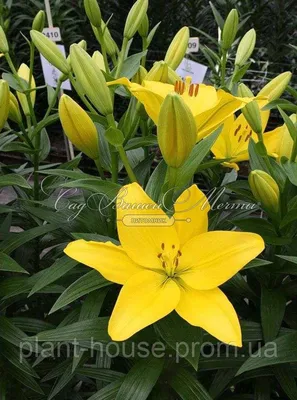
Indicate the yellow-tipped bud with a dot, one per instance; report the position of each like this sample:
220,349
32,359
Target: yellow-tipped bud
265,190
160,72
4,48
50,51
245,48
177,132
4,102
39,21
275,88
14,109
144,27
99,60
135,17
24,73
140,75
91,79
178,47
79,127
230,29
93,12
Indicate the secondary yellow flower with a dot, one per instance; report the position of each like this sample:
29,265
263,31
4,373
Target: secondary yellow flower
209,107
168,264
279,141
233,142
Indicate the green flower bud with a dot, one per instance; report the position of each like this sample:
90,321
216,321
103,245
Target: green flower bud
275,88
230,29
4,48
111,46
265,190
99,60
91,79
6,24
178,47
93,12
14,109
143,29
245,48
251,111
50,51
140,75
4,102
158,73
39,21
135,17
177,132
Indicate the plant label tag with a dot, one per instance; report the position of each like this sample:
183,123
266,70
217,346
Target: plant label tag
53,34
193,45
51,74
193,69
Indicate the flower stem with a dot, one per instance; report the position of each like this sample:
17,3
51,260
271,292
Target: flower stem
126,163
121,57
99,168
170,187
223,67
103,49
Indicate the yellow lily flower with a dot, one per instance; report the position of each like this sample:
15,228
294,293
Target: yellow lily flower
209,107
233,142
168,264
279,141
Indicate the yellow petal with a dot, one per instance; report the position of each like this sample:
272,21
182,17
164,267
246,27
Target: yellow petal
209,120
120,81
145,298
207,98
111,261
191,214
212,258
144,229
222,147
212,311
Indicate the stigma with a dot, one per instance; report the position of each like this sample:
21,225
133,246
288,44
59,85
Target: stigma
169,258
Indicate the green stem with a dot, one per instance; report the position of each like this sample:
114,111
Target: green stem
143,127
144,47
168,196
126,163
223,67
54,99
32,53
113,154
121,57
294,151
81,95
99,168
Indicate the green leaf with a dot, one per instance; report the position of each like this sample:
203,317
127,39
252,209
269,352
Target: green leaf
174,330
25,379
95,185
290,169
114,136
256,156
152,33
137,142
31,325
156,181
221,380
187,386
256,263
219,19
282,350
200,151
53,273
141,379
14,335
13,355
8,264
109,392
289,123
86,330
18,239
286,379
13,180
14,83
131,65
84,285
273,306
101,374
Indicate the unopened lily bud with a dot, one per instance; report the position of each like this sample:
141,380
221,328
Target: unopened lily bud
158,73
4,48
99,60
251,111
275,88
245,48
135,17
78,127
244,91
4,102
50,51
143,29
24,73
265,190
230,29
177,48
91,79
14,109
39,21
111,46
140,75
6,24
93,12
177,132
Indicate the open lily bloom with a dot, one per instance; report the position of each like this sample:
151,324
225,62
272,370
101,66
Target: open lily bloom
233,141
210,107
279,141
168,264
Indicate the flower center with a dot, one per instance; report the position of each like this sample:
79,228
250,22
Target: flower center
181,87
169,258
245,135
